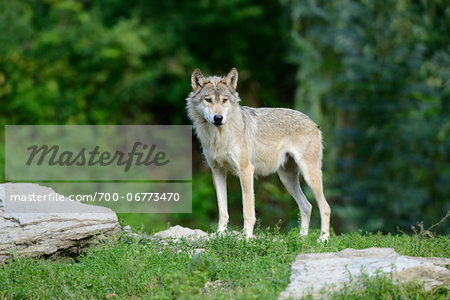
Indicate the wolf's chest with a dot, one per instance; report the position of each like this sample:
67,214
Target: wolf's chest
222,146
223,153
227,157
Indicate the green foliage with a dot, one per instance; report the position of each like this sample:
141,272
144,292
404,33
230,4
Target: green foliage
246,269
97,62
375,76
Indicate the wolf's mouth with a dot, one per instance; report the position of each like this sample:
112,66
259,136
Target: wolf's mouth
218,124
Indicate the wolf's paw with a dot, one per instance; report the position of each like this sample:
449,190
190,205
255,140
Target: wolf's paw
303,232
222,229
248,234
249,237
324,237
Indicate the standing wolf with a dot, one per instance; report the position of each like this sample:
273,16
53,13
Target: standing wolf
248,142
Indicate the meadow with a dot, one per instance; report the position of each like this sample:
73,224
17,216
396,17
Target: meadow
227,267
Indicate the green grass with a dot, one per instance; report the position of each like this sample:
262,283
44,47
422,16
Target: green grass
382,286
247,269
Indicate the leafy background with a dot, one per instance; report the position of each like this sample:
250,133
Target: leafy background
374,74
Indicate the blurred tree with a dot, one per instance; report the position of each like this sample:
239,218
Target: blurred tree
375,74
129,62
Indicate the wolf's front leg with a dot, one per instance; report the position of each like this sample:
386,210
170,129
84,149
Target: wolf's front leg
220,183
248,198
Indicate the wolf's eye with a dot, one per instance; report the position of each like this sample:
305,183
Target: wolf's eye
225,100
207,99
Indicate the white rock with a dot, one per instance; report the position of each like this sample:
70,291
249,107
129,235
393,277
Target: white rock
212,286
178,232
313,272
31,230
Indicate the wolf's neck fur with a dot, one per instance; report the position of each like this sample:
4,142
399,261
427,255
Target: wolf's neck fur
223,137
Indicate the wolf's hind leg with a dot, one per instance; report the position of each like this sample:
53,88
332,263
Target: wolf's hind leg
289,177
220,183
312,172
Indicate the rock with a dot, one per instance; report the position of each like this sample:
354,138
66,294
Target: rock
127,229
129,233
212,286
178,232
37,232
312,272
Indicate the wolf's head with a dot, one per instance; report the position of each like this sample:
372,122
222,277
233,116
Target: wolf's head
213,98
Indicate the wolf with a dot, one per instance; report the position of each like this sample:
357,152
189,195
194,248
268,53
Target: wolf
250,142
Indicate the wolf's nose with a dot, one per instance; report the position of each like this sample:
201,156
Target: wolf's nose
218,119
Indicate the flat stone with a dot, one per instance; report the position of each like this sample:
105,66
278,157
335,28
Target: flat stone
311,273
32,229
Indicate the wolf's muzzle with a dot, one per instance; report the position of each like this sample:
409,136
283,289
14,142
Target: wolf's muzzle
218,120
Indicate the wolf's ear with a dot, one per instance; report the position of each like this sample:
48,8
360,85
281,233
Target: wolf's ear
197,79
232,78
